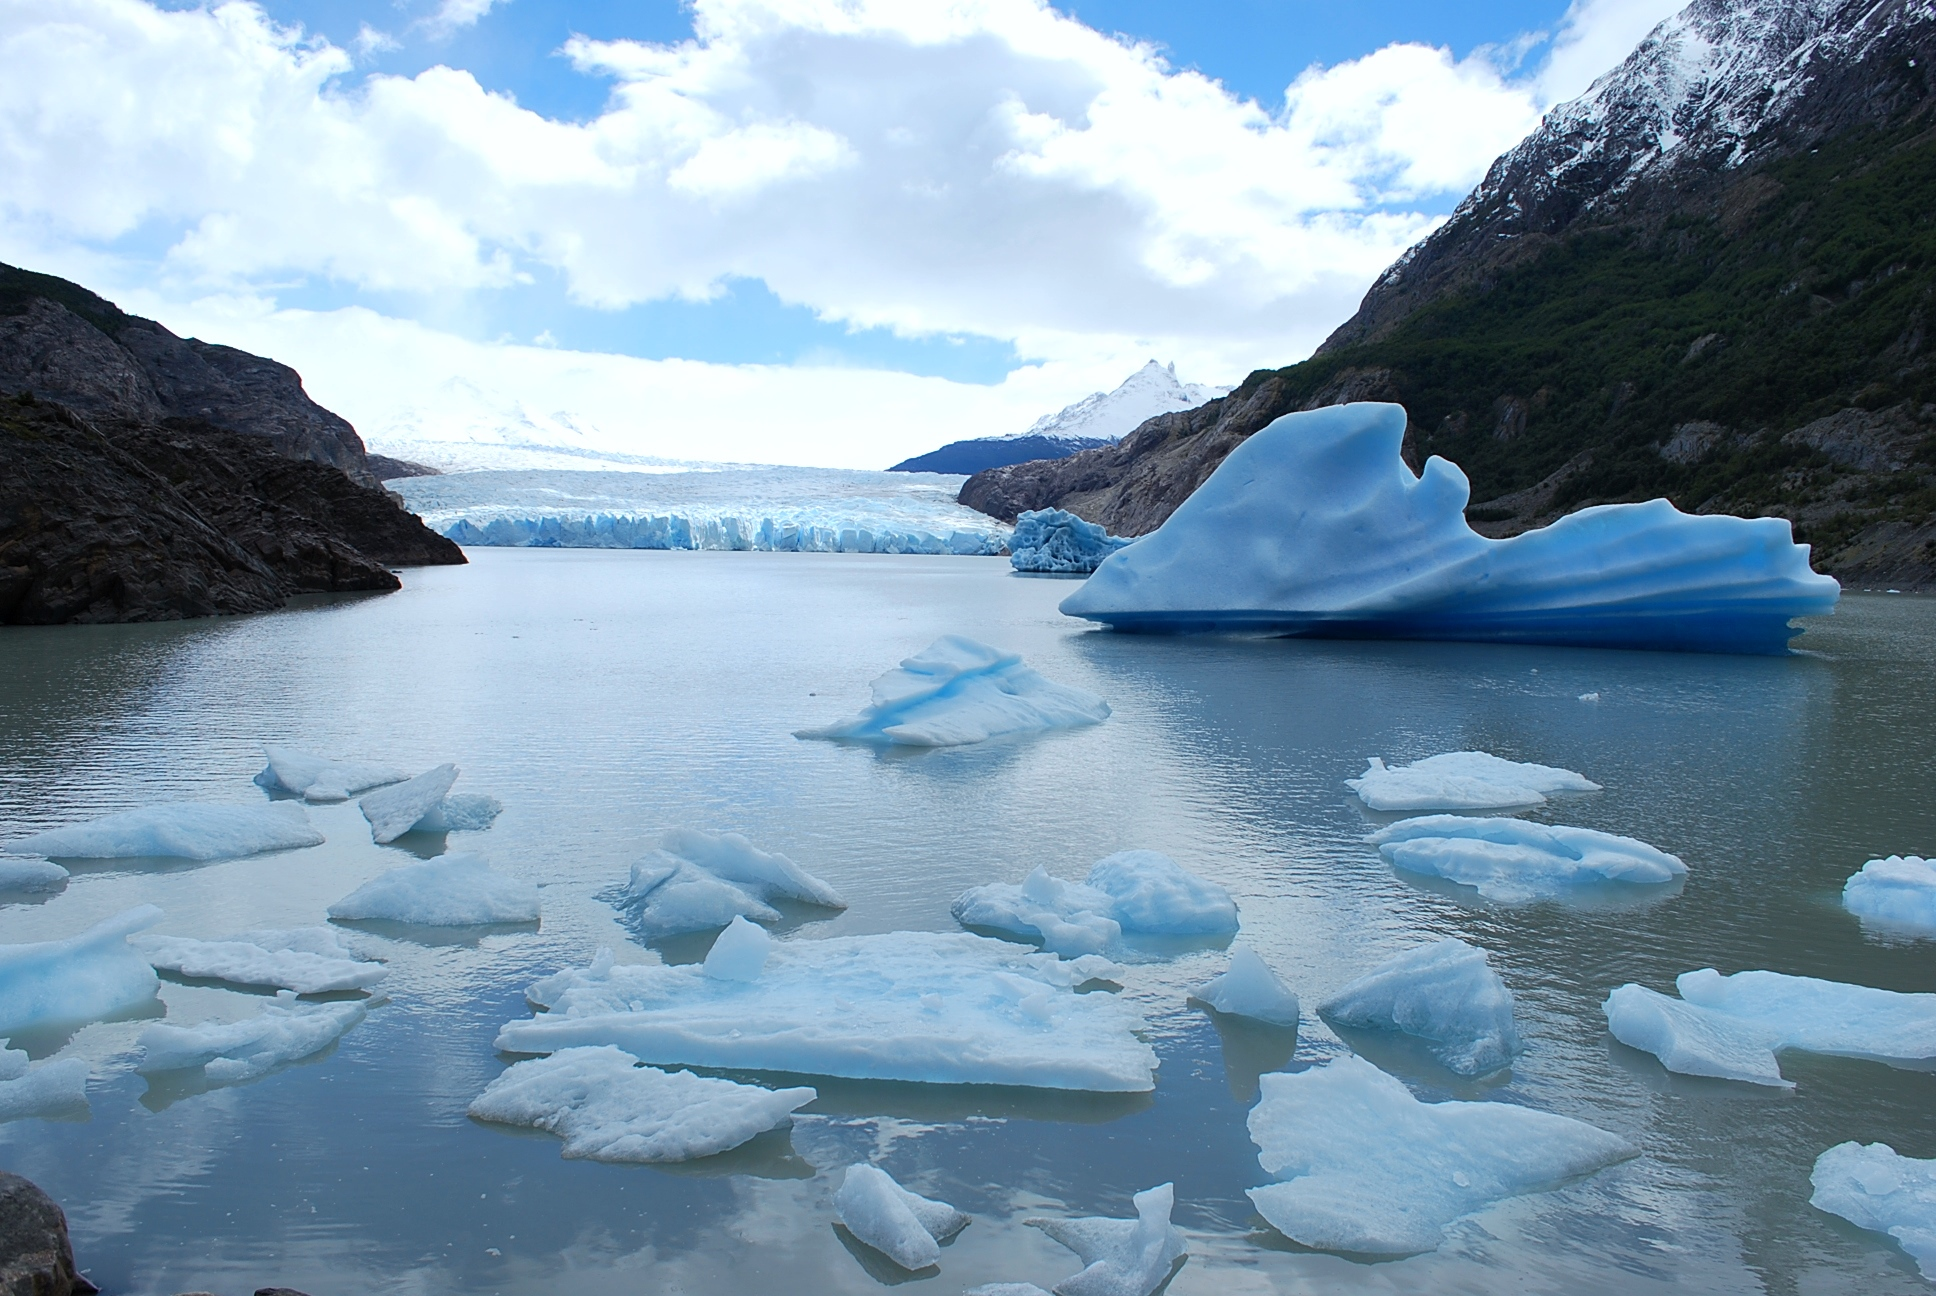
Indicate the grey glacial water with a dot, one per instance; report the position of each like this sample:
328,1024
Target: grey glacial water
606,696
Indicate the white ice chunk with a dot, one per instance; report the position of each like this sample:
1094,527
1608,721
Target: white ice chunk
318,778
767,874
461,812
30,873
233,1052
1873,1187
1368,1168
1511,860
187,830
695,881
450,891
308,960
396,810
1462,780
1899,891
1070,918
1121,1257
607,1107
853,1006
1152,894
44,1090
1248,988
959,691
1820,1016
1056,540
1692,1040
739,953
78,979
1446,993
1131,891
905,1227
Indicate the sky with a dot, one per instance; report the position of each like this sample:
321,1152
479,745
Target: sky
832,232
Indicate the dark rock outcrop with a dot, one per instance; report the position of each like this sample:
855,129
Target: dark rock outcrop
36,1257
388,469
994,452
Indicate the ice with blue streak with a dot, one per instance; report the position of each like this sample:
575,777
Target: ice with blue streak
77,979
1056,540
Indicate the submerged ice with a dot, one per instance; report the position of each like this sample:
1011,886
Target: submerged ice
308,960
1056,540
1137,891
1445,993
1462,780
286,1030
318,778
695,881
1513,860
186,830
1899,891
459,890
1121,1257
1248,988
905,1227
79,979
1874,1187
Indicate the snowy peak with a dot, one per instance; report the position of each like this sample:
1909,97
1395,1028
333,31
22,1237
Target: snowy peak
1154,389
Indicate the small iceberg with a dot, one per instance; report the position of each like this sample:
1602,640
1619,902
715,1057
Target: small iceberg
1816,1016
1056,540
1445,993
1896,892
317,778
695,881
424,804
1315,526
188,830
905,1227
1131,1257
459,890
1369,1169
44,1090
1137,891
1874,1188
1463,780
1248,988
1512,860
607,1107
939,1008
237,1052
957,691
307,960
80,979
30,873
1690,1040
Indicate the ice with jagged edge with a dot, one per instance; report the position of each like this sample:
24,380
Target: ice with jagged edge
1875,1187
939,1008
307,960
1365,1167
457,890
607,1107
1445,993
696,880
958,691
318,778
1249,988
30,873
1462,780
1899,891
1121,1257
1056,540
1512,860
426,804
1315,526
286,1030
1137,891
1817,1016
1692,1040
80,978
185,830
904,1226
45,1090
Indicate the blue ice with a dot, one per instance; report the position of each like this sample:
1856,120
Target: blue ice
1056,540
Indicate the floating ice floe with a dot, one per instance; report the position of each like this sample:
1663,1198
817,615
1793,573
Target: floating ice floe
943,1008
1874,1187
696,880
1445,993
1121,1257
1512,860
187,830
959,691
1056,540
1248,988
308,960
1462,780
1367,1168
905,1227
1315,526
425,804
1007,1289
1137,891
234,1052
43,1090
1898,892
1691,1040
1819,1016
30,873
459,890
317,778
79,979
607,1107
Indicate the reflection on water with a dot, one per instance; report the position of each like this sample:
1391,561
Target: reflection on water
606,697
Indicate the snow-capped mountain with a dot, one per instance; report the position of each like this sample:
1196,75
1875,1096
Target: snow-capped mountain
1109,416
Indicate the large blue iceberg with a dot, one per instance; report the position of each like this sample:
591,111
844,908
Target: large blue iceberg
1056,540
1315,526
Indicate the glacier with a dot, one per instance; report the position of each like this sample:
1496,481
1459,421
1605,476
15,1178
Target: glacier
307,960
957,691
1818,1016
1121,1257
606,1107
939,1008
30,873
696,880
45,1090
1445,993
1876,1188
1137,891
79,979
426,804
1899,891
1056,540
1691,1040
1365,1167
286,1030
1315,526
1249,988
1462,780
185,830
1512,860
318,778
459,890
905,1227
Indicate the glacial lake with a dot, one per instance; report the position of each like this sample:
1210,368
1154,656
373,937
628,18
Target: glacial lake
606,696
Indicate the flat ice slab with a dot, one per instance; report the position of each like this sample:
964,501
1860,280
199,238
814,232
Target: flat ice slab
905,1227
1463,780
79,979
43,1090
318,778
1691,1040
1819,1016
1446,993
1248,988
1056,540
30,873
696,880
959,691
1137,891
458,890
1512,860
1896,892
234,1052
944,1008
187,830
1121,1257
1367,1168
1873,1187
607,1107
1315,526
308,960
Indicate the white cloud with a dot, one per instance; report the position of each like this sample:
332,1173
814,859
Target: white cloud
1595,37
453,16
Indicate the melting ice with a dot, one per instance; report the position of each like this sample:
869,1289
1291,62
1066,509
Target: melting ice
459,890
1896,892
186,830
1875,1188
1446,993
44,1090
234,1052
1512,860
1248,988
905,1227
1137,891
1463,780
308,960
318,778
1056,540
695,880
425,804
1131,1257
79,979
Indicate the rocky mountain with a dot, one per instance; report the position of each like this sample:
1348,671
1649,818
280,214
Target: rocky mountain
1708,278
